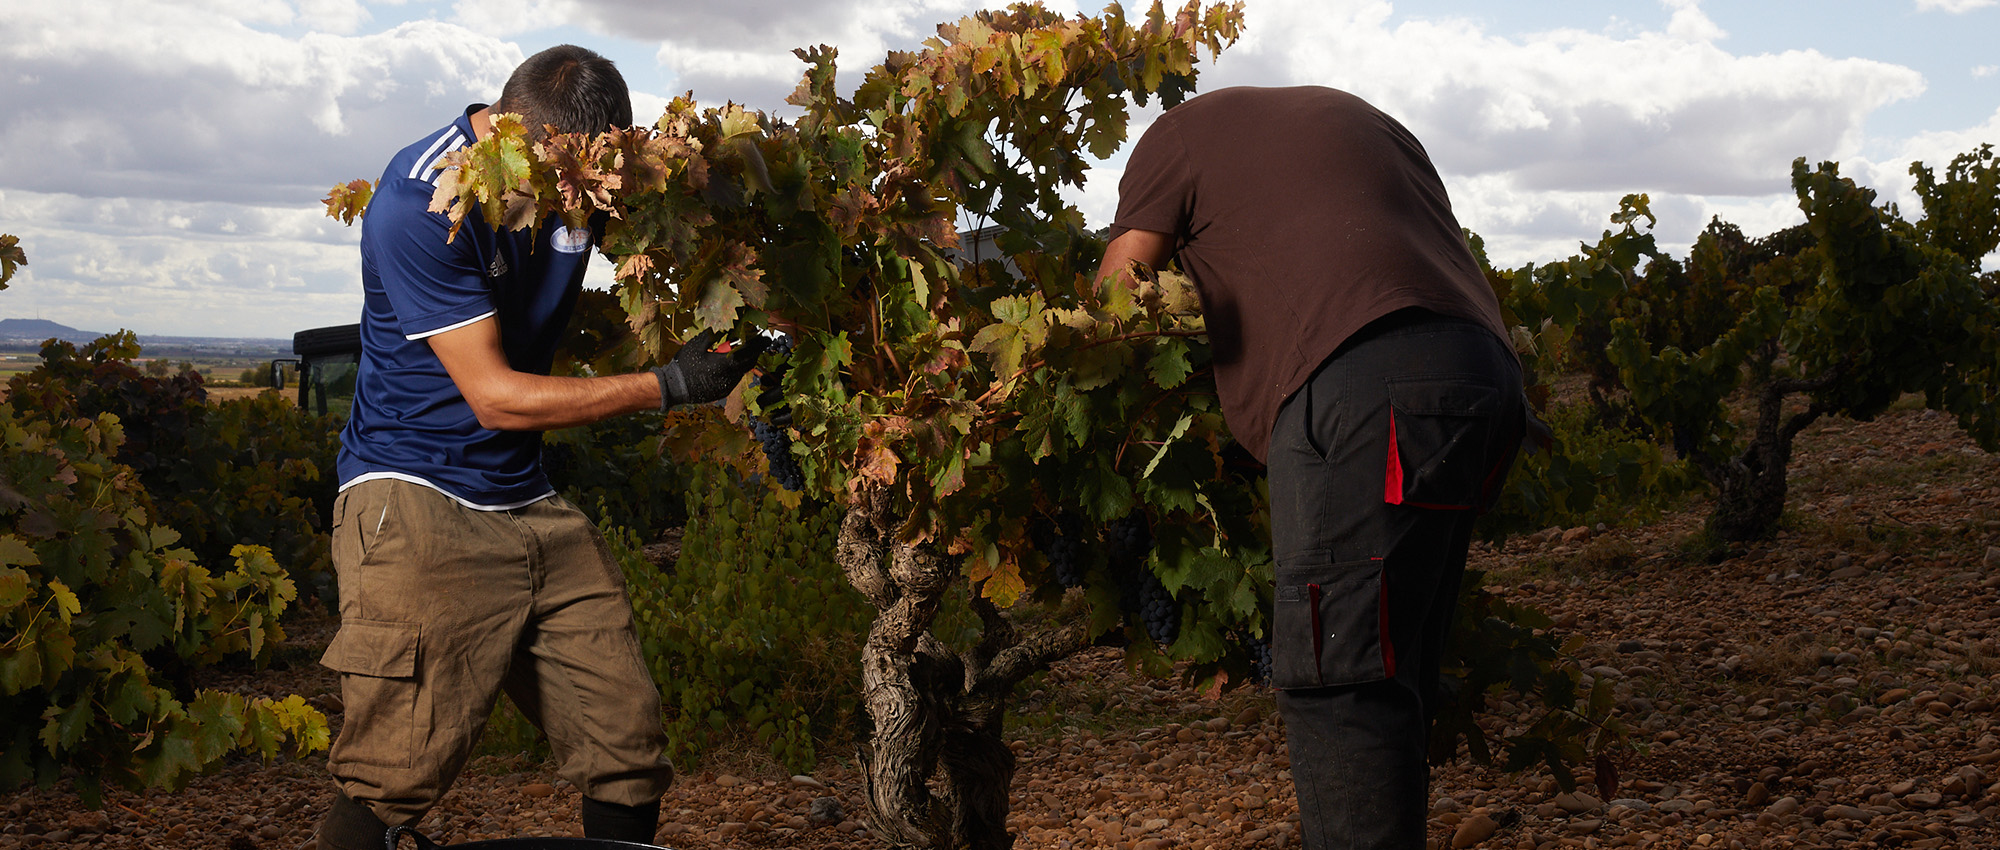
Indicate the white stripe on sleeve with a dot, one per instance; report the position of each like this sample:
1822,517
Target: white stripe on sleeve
452,137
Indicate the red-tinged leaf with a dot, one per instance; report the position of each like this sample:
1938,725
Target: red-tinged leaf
847,209
947,358
875,456
634,268
1607,775
738,266
1212,689
38,524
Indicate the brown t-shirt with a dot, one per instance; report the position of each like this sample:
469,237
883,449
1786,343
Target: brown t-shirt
1302,214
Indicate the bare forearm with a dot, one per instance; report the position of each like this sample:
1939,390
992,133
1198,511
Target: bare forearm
1145,246
518,401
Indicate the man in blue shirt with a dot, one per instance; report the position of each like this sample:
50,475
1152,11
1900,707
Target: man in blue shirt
461,572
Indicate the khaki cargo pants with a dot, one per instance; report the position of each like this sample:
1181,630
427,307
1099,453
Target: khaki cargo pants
443,606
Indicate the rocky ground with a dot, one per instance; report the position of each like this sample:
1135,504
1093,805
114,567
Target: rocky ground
1834,687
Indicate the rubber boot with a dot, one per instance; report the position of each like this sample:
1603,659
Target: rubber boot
348,825
613,822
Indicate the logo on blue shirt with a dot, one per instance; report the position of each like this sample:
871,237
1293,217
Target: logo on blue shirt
570,241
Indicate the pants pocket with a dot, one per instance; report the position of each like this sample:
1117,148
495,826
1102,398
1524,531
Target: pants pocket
1331,624
378,683
1439,430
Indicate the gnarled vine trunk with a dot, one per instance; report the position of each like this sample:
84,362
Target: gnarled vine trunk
936,767
1750,487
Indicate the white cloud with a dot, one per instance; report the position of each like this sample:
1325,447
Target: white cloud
185,102
1985,70
163,161
1891,177
1689,23
1569,110
213,269
1955,7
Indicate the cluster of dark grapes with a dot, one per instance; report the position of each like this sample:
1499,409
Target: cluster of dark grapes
776,439
1158,609
1127,543
1259,651
1061,542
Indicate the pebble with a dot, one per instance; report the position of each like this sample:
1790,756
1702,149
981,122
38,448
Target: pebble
1784,806
538,789
826,810
1473,830
1577,802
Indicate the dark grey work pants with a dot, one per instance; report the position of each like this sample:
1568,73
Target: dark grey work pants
1378,466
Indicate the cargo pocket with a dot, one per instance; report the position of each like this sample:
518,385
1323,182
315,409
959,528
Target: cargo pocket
1438,430
378,665
1331,624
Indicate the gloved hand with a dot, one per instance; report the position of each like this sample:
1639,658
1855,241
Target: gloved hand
771,398
697,375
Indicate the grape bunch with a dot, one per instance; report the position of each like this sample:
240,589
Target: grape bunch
1158,609
775,437
777,444
1259,651
1061,542
1128,541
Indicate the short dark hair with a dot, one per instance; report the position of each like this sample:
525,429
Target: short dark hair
570,88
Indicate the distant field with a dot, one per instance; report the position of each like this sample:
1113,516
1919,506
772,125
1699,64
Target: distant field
221,373
227,393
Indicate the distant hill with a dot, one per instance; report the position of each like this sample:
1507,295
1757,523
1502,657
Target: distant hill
31,332
36,330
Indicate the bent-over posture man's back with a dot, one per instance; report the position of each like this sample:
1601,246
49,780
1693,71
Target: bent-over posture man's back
1359,352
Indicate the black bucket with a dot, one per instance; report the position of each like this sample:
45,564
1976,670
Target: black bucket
423,842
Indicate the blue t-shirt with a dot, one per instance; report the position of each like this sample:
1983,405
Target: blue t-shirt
409,420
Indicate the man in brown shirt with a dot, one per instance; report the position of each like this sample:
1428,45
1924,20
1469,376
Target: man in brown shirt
1360,353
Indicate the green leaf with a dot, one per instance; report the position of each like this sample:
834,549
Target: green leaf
1169,365
1180,427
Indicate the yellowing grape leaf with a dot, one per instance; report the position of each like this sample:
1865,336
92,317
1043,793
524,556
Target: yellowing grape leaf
349,201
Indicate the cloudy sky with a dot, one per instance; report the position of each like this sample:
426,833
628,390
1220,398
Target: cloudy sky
163,160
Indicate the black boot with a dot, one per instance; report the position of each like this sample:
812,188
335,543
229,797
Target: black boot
613,822
348,825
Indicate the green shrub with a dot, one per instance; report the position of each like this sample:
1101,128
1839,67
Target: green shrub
756,631
1593,473
244,471
614,471
101,615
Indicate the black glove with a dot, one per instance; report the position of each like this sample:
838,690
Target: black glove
772,402
697,375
